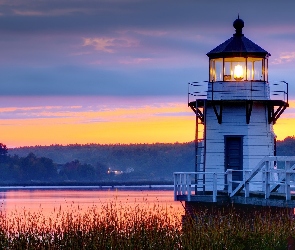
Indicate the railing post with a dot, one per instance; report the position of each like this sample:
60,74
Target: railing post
188,182
287,183
267,185
263,179
179,189
214,187
175,187
178,184
247,173
229,173
181,184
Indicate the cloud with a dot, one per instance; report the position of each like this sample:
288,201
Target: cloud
52,13
285,57
149,32
136,61
126,47
28,13
96,109
290,111
110,44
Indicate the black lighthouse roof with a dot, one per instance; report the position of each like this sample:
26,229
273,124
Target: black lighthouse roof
238,45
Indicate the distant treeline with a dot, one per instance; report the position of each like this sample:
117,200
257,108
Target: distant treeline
96,162
33,169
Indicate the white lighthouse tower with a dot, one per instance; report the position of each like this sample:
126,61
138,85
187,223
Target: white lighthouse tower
235,142
238,127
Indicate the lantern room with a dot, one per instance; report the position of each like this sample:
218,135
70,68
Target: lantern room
238,59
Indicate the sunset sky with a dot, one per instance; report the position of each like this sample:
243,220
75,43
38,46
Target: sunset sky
116,71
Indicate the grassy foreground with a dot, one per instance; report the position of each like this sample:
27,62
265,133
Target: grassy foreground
115,227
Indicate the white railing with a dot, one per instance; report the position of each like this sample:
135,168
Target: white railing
246,90
272,174
185,183
243,90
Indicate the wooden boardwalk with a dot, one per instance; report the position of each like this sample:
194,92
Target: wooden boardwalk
264,185
255,199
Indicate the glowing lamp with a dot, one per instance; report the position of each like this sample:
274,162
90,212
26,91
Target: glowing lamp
238,73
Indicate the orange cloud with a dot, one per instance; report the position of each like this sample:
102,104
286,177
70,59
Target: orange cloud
285,125
141,123
67,131
161,122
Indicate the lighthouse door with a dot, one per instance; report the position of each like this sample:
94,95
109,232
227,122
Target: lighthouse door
234,157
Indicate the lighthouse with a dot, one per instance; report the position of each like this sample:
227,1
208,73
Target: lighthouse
236,158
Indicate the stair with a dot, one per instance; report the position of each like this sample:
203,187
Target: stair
200,148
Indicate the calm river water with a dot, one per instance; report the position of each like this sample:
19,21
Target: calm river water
49,200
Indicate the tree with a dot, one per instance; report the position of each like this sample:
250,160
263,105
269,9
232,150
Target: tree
74,170
3,152
101,170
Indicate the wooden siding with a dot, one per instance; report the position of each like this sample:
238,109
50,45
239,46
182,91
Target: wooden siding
244,90
258,136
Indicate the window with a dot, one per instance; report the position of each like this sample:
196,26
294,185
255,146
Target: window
238,69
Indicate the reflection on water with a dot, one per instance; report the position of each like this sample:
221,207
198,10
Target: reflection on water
48,202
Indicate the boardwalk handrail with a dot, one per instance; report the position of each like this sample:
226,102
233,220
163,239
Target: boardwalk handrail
267,168
268,176
183,183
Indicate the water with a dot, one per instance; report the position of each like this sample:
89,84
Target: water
47,201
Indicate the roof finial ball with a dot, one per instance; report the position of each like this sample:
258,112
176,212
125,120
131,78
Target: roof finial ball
238,25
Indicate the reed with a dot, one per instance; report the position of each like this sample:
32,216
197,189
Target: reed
119,227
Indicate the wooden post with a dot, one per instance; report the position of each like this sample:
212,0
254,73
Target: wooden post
229,173
267,184
188,183
287,182
263,180
180,183
214,187
183,184
175,186
247,173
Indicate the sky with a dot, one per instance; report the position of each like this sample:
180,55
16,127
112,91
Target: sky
116,71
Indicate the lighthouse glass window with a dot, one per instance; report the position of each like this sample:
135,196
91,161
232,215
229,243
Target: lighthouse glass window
216,70
234,69
255,68
238,69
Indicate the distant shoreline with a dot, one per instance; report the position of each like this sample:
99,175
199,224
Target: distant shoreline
167,185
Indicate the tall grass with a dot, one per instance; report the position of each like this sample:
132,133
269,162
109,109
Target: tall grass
118,227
